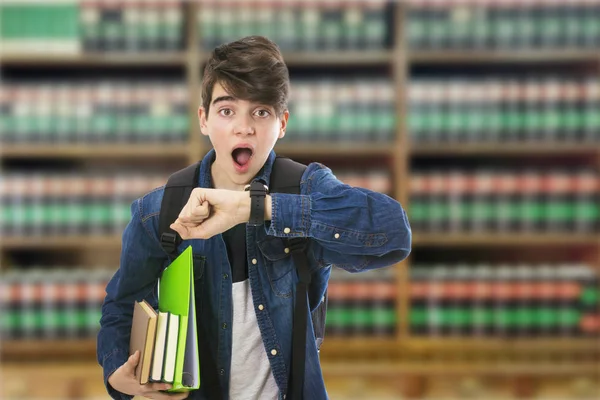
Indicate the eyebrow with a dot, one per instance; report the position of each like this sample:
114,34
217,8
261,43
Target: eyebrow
224,98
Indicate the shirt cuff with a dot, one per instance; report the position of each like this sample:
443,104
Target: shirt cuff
110,364
290,215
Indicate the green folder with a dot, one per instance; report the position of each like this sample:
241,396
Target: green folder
176,295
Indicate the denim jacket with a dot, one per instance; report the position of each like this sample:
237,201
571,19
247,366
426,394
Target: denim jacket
350,228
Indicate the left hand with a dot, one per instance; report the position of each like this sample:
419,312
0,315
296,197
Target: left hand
209,212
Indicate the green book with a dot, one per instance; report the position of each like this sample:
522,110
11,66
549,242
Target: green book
176,296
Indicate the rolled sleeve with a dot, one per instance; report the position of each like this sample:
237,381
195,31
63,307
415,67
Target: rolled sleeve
354,228
290,215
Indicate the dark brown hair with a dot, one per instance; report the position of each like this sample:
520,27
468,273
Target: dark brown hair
251,69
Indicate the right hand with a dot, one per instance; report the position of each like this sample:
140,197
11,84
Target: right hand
125,381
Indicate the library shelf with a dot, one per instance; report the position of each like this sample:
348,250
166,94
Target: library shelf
85,349
444,368
49,242
103,151
338,149
441,57
505,149
355,58
37,349
335,347
351,58
94,59
543,345
492,239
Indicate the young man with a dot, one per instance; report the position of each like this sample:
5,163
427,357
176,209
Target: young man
245,302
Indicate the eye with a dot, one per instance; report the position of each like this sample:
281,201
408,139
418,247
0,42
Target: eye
262,113
226,112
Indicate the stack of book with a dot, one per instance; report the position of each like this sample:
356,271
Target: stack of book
167,339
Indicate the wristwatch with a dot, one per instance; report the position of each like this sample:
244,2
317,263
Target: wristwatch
258,192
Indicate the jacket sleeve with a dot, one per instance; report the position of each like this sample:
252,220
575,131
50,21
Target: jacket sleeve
356,229
136,279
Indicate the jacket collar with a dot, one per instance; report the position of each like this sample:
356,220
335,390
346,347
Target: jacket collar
205,178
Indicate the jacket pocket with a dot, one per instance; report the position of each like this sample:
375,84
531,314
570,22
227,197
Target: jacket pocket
278,265
199,265
199,262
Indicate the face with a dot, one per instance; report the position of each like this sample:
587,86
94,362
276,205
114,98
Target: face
242,134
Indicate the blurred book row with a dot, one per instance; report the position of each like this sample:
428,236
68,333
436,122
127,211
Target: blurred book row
504,300
60,204
71,26
354,110
492,24
362,304
498,109
52,303
298,24
94,112
119,111
99,203
500,201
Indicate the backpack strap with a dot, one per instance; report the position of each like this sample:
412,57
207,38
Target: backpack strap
176,193
285,178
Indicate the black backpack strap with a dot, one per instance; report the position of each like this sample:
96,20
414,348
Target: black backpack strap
176,194
285,178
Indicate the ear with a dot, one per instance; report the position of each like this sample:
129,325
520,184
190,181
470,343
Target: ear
202,116
283,123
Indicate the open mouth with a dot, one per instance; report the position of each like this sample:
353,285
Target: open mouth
242,156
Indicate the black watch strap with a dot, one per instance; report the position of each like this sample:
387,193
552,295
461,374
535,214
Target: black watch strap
258,192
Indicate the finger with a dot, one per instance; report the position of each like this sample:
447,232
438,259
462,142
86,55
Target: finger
186,224
166,396
181,229
201,211
156,387
195,214
201,231
132,362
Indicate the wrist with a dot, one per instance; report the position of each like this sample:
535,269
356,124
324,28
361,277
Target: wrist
244,208
268,205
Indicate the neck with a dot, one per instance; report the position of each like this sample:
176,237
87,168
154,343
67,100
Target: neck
220,180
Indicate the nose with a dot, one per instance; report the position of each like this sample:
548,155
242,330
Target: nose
245,126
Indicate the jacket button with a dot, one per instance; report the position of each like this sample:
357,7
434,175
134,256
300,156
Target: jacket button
224,325
221,371
337,236
274,352
225,276
286,250
261,307
254,261
287,230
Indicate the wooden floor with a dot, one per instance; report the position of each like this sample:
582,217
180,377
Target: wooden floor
83,381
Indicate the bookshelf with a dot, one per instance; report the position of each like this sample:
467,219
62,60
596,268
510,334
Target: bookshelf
391,356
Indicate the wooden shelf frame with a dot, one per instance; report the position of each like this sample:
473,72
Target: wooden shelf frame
99,151
522,56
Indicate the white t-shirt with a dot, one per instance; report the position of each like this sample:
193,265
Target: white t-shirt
251,375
